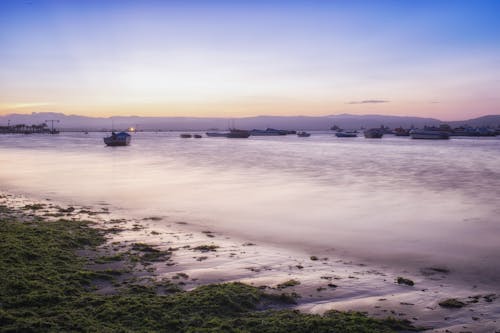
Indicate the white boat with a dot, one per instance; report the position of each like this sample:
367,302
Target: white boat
429,134
118,139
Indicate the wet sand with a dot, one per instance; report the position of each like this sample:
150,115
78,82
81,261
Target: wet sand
324,280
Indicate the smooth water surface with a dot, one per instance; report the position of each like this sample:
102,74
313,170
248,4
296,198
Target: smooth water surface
392,200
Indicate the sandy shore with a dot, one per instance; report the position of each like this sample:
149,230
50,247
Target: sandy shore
323,282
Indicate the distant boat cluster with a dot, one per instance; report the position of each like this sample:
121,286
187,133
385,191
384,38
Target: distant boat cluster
442,132
238,133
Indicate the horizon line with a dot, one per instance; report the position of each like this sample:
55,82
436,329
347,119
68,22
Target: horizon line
242,117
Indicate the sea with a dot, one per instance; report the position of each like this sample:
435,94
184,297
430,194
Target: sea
393,201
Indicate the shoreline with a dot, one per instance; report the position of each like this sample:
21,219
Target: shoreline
323,283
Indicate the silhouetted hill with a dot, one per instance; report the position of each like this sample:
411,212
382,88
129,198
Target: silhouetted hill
74,122
491,120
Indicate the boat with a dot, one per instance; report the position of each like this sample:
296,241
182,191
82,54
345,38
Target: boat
429,134
186,135
346,134
217,134
373,133
238,134
303,134
197,136
268,132
233,133
401,132
118,139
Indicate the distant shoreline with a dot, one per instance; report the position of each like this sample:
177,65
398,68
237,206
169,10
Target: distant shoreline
74,122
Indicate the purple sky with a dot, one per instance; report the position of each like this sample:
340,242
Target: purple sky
170,58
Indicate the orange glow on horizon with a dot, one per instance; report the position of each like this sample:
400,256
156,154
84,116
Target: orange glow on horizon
432,109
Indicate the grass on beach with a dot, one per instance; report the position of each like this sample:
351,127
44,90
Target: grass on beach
46,286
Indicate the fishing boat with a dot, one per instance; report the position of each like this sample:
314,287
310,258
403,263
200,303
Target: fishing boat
401,132
197,136
217,134
429,134
186,135
268,132
238,134
303,134
118,139
233,134
346,134
373,133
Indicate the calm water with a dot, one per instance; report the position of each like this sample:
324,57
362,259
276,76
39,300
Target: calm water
396,200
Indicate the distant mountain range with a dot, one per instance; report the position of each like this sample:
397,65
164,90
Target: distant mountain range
347,121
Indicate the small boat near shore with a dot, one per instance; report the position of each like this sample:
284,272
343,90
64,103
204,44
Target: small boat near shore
118,139
186,136
303,134
429,134
373,133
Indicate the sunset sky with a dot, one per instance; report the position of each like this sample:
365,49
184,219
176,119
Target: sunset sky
237,58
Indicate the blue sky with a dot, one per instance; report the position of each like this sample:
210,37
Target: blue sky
222,58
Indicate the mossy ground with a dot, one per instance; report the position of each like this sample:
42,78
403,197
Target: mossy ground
452,303
46,287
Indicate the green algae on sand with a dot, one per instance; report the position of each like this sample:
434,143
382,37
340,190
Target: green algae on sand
45,286
451,303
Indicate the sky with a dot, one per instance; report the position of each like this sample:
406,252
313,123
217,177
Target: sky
435,58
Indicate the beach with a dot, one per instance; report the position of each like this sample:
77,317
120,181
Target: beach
346,225
250,166
321,282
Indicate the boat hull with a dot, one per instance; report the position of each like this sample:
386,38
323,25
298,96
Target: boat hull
216,135
115,143
346,135
233,134
373,134
238,134
268,132
115,140
429,135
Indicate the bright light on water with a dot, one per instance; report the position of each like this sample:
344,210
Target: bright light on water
392,200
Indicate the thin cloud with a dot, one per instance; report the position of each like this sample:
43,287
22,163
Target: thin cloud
13,106
369,101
